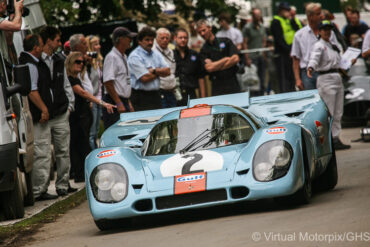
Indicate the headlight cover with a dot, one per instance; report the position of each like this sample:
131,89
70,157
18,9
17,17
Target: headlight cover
272,160
109,183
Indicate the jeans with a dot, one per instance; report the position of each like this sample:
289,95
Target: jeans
309,83
95,126
168,99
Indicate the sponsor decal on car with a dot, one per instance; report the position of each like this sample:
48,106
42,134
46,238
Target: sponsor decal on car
106,153
190,183
192,162
276,130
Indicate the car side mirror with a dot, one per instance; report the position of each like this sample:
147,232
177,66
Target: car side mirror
22,79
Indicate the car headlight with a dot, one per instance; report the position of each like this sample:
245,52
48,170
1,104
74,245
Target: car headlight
272,160
109,183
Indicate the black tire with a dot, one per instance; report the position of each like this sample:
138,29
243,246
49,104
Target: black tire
329,178
29,199
105,225
12,202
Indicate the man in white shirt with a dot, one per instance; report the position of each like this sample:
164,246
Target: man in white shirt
304,39
227,31
116,76
168,83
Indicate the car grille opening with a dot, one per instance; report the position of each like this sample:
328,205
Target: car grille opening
144,205
190,199
239,192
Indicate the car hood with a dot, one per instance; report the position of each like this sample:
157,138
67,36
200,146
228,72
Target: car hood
161,170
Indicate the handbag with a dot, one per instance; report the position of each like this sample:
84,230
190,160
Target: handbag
249,79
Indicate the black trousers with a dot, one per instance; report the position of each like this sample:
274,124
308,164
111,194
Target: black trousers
284,69
186,92
80,123
146,100
110,118
221,86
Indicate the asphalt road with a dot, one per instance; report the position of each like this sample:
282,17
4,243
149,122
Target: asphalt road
337,218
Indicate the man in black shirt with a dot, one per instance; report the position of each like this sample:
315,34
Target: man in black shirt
219,57
188,68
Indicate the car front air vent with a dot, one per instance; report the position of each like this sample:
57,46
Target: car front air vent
273,122
126,137
294,114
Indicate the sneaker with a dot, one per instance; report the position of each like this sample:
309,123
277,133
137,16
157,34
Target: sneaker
338,145
46,196
62,192
71,189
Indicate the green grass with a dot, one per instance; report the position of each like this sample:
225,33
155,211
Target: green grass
10,235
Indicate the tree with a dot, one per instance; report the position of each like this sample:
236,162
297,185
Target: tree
66,12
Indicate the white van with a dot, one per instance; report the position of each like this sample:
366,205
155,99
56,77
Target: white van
16,142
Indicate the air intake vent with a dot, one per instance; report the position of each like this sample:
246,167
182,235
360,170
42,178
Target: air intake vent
242,172
143,205
126,137
239,192
190,199
294,114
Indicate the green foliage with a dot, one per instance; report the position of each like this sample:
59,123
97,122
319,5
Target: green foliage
66,12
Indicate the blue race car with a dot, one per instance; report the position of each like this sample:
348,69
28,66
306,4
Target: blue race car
218,150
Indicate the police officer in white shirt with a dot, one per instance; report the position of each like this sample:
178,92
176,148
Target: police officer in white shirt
325,58
116,76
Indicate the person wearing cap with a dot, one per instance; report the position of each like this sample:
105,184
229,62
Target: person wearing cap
283,34
325,59
304,39
146,66
66,49
116,76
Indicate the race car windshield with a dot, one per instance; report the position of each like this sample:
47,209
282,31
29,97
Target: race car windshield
198,133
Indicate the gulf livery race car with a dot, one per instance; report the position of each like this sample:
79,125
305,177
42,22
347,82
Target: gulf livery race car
218,150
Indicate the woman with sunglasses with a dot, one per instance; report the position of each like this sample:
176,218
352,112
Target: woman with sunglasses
95,73
80,119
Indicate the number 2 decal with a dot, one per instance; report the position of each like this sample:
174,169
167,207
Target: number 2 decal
192,162
187,166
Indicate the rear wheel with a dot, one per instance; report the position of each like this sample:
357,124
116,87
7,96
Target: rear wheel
105,225
12,202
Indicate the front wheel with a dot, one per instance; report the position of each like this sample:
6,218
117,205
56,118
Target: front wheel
12,202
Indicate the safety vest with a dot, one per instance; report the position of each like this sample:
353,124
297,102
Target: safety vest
287,29
298,22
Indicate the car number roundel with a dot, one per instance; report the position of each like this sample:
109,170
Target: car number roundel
192,162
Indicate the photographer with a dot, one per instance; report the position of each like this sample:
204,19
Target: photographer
12,25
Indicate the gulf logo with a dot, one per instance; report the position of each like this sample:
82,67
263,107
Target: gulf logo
106,153
276,130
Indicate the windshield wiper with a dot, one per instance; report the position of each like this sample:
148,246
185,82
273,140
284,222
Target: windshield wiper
196,140
212,139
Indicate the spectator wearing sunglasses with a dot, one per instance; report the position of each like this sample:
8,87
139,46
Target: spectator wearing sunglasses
80,119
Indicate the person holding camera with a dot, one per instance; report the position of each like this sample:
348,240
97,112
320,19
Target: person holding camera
95,73
9,25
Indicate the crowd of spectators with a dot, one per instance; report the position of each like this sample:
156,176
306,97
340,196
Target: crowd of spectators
74,89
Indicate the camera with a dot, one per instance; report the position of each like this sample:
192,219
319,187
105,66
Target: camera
10,8
92,54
